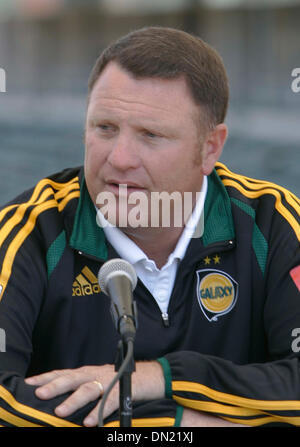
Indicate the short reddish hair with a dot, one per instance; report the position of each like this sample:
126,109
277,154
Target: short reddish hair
169,53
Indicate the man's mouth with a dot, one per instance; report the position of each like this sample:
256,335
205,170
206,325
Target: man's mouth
123,188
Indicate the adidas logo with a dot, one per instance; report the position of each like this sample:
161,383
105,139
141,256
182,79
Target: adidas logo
85,283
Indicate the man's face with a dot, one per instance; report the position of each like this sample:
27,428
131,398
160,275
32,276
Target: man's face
142,133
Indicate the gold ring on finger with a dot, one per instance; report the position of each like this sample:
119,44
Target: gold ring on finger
100,386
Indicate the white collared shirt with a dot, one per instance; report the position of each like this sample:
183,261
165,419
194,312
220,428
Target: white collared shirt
159,282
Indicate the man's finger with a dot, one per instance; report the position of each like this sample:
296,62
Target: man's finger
42,379
61,384
86,393
110,406
92,419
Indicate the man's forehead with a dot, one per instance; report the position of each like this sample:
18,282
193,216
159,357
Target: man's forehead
115,86
110,105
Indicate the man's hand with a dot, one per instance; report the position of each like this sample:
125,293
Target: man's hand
82,382
147,383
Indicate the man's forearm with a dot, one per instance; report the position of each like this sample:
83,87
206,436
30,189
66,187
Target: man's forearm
148,382
193,418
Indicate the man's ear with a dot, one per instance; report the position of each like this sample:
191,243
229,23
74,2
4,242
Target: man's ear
212,147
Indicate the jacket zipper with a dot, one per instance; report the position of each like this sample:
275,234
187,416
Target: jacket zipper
165,318
164,315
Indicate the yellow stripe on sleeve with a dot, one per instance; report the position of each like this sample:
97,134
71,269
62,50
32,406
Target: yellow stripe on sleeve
24,233
251,422
15,420
264,405
36,414
67,199
37,190
19,214
147,422
215,407
278,204
21,208
252,183
32,199
65,190
267,419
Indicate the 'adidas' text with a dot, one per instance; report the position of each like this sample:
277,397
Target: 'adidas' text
85,283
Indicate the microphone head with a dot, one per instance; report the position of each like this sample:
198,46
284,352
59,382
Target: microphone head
116,266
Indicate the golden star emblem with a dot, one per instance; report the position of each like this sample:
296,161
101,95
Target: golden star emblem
207,260
217,259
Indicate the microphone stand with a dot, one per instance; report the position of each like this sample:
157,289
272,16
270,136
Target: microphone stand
125,319
125,402
117,278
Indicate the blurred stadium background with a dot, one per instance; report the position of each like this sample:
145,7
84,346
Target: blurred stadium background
48,47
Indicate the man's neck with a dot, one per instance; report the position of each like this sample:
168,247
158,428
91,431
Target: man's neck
157,244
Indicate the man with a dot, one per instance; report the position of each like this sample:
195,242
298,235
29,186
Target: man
216,313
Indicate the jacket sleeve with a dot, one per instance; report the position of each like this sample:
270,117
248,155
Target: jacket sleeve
260,393
23,280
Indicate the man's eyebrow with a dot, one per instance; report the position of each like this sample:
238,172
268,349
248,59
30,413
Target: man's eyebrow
151,125
142,121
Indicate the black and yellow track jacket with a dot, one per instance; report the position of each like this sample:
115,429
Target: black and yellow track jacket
231,345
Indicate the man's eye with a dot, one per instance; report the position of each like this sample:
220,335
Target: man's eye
106,130
150,135
104,127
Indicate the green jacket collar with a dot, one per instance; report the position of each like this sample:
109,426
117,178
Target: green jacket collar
88,237
218,220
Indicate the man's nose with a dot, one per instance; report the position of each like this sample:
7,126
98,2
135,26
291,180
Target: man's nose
124,155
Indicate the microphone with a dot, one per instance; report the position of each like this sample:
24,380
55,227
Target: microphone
117,278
